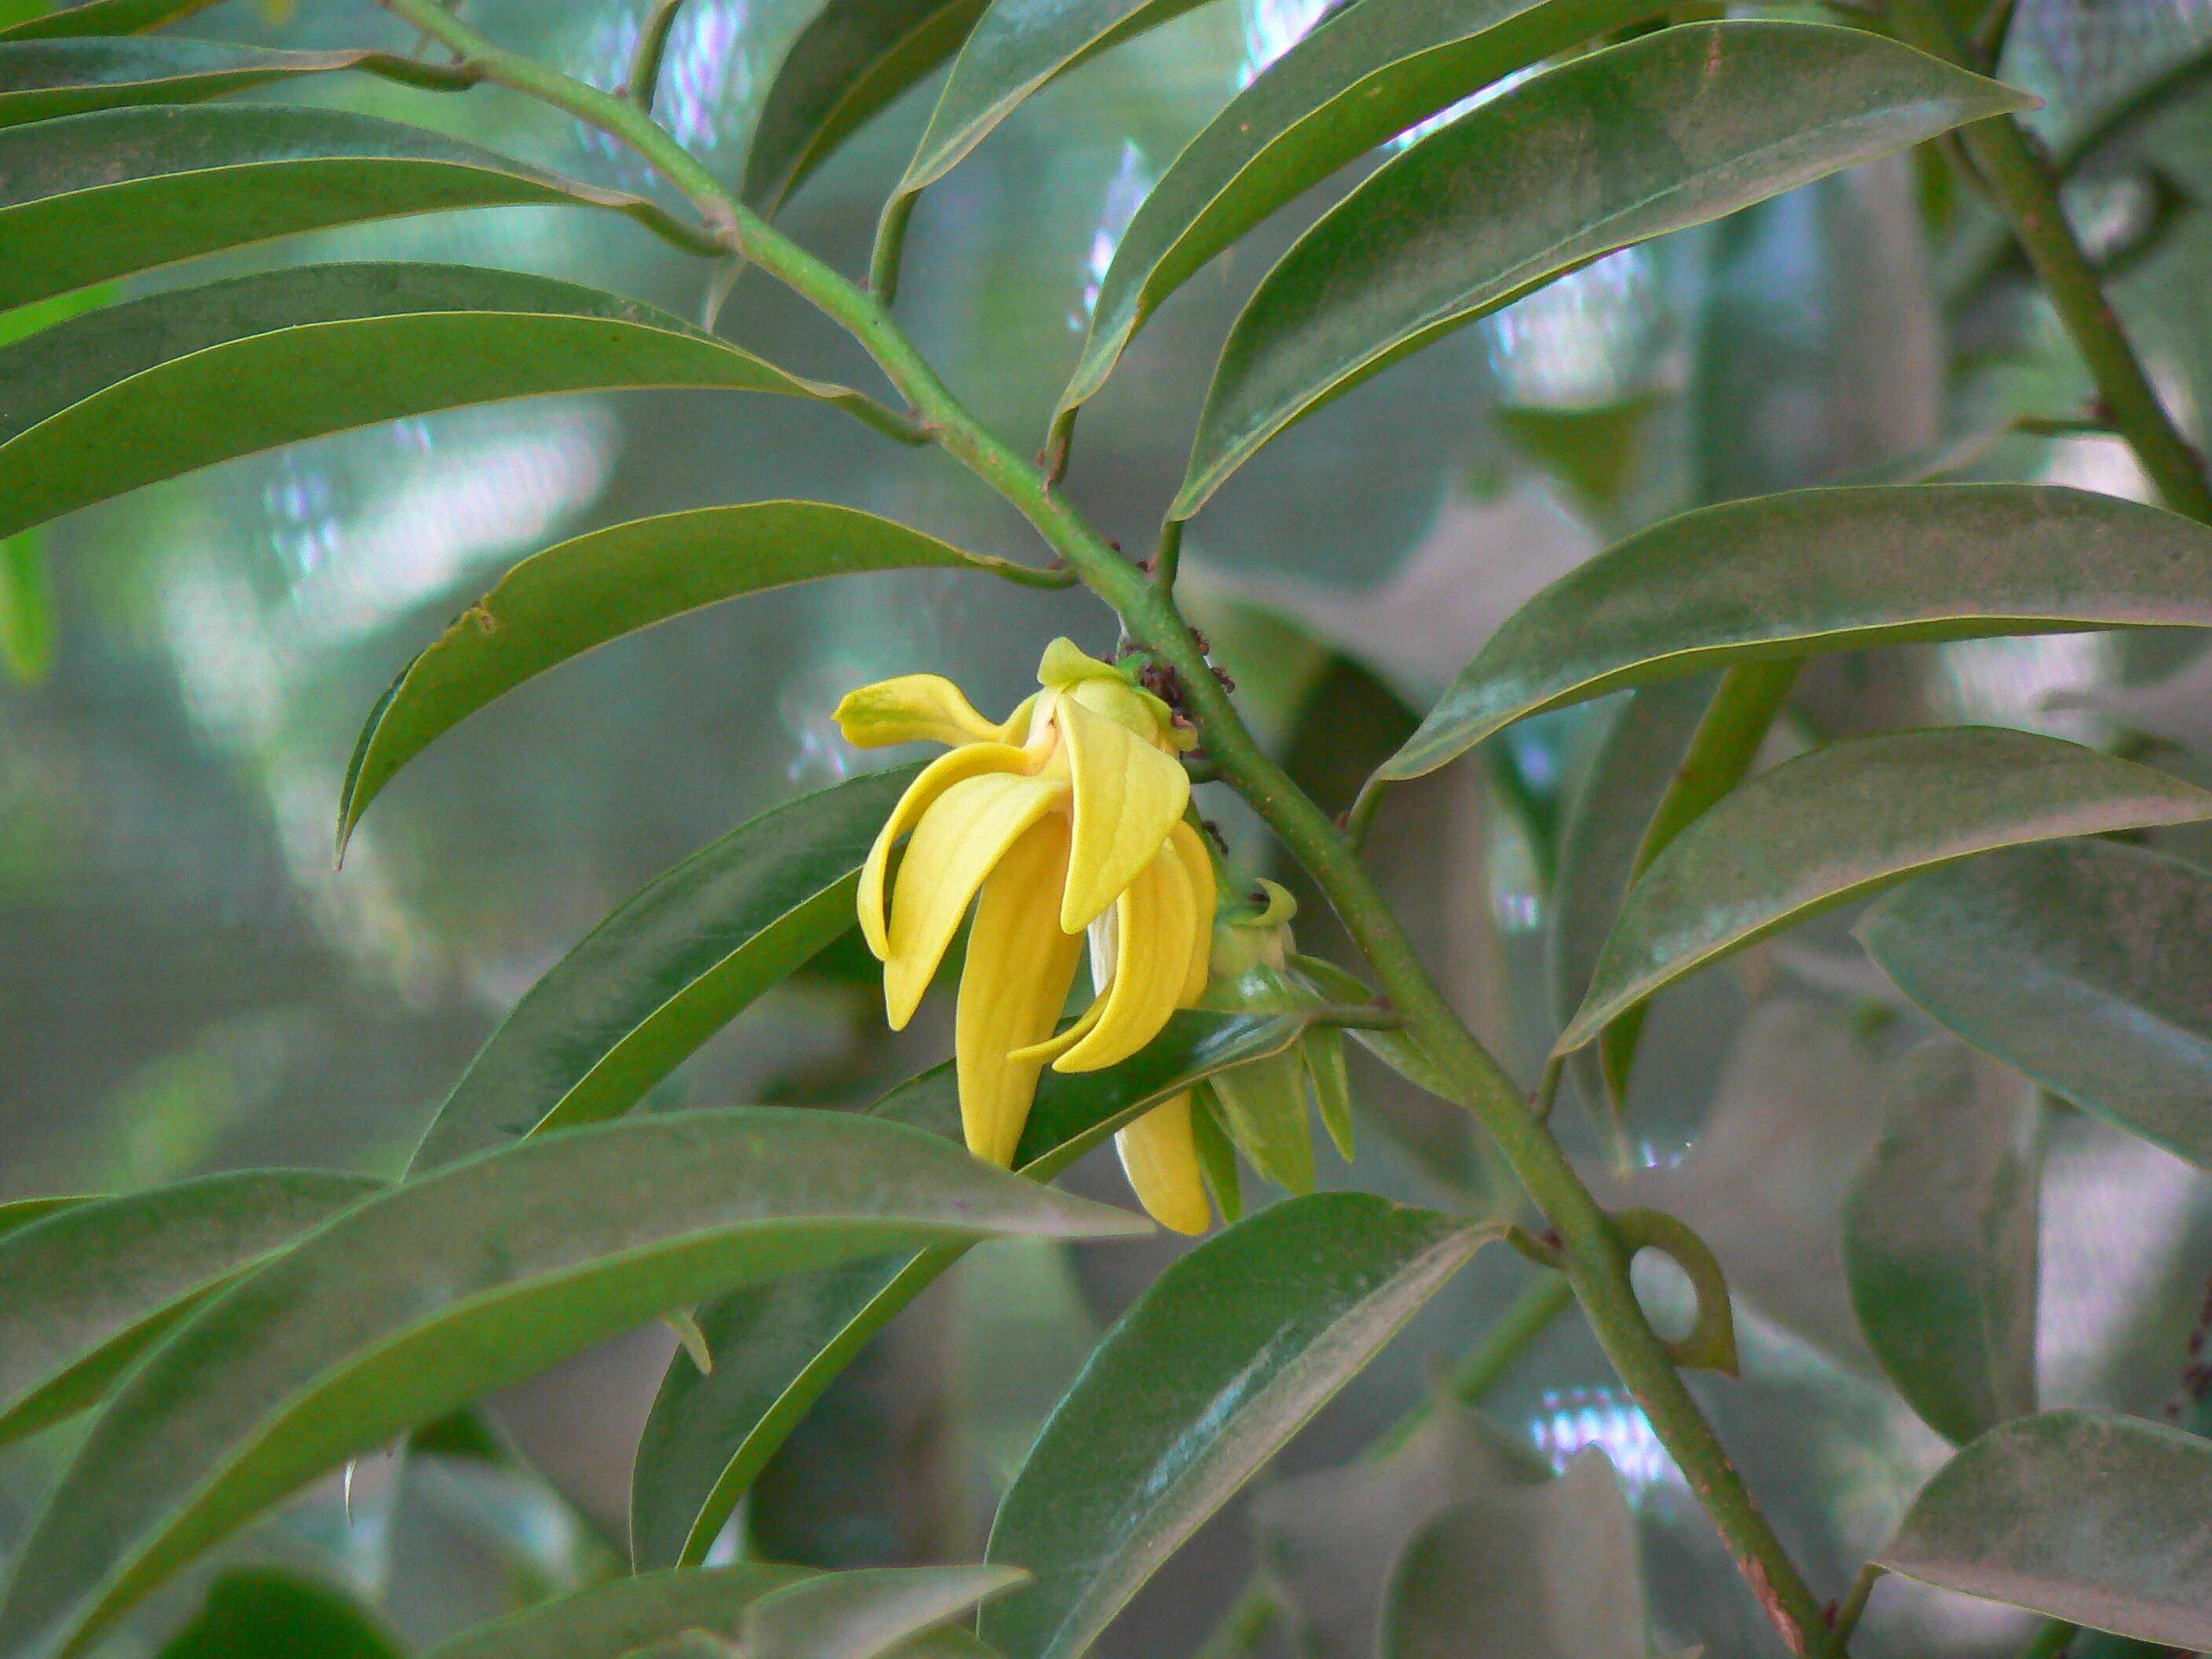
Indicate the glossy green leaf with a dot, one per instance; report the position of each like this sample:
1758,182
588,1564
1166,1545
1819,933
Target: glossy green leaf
117,191
1941,1240
153,388
628,1612
86,1289
864,1614
2093,1518
777,1346
104,17
580,594
1845,820
2083,966
852,60
1212,1369
1365,74
1551,1570
666,970
1667,130
1823,570
42,80
454,1284
265,1613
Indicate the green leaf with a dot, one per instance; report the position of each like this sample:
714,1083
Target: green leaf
1670,130
854,59
22,1211
2089,1517
1365,74
1823,570
1545,1571
26,609
262,1612
1846,820
666,970
40,81
157,387
580,594
118,192
104,17
462,1282
628,1612
1940,1241
777,1346
1212,1369
87,1288
1391,1046
2082,965
863,1614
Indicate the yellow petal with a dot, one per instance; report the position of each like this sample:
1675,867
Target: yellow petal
1053,1046
1066,663
912,708
1160,1157
965,831
1128,795
1015,726
971,759
1198,865
1153,924
1019,970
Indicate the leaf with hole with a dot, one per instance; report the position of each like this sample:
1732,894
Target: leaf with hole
2083,1515
1818,570
2082,965
114,193
459,1283
1667,130
42,80
88,1287
154,388
1215,1366
1845,821
777,1346
1941,1240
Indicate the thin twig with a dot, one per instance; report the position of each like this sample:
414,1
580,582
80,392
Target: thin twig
652,47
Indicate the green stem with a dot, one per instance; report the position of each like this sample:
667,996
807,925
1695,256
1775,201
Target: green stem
891,247
1853,1609
2027,188
1595,1259
652,47
1168,557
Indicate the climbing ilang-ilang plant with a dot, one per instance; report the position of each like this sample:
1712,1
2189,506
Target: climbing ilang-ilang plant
240,1336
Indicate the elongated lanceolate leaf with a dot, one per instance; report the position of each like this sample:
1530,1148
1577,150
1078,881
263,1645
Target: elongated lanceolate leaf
266,1611
1941,1237
667,970
41,80
776,1346
1823,570
22,1211
2083,965
1210,1371
87,1289
1667,130
1843,821
854,59
581,594
628,1612
2096,1519
863,1614
118,192
1366,74
462,1282
104,17
153,388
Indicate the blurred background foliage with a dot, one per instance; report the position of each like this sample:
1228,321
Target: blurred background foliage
187,984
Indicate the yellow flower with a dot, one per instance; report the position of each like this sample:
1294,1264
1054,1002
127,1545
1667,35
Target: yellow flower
1066,820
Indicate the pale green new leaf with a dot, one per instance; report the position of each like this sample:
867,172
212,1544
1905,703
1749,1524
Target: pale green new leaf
1846,820
1667,130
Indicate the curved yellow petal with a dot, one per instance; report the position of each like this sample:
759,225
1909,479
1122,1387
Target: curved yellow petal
1198,865
965,831
1153,922
1128,795
1016,980
1160,1157
911,708
1053,1046
1067,663
971,759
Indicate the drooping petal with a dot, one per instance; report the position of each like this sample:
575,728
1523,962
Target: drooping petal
911,708
1067,663
1183,841
1160,1158
965,831
1128,795
970,760
1154,922
1016,980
